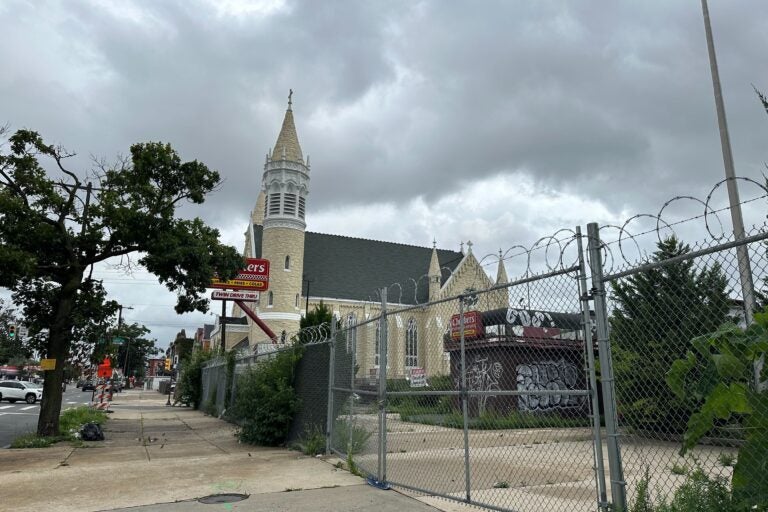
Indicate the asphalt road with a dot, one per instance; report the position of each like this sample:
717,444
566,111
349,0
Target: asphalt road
21,418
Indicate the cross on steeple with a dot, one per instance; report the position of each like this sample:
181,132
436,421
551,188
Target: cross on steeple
290,100
469,246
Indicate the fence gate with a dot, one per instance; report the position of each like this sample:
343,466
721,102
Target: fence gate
482,403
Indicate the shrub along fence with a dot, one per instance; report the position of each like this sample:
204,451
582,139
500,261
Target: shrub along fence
590,385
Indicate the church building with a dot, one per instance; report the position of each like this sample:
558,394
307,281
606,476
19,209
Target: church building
345,273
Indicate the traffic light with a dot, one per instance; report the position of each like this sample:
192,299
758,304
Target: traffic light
168,363
12,331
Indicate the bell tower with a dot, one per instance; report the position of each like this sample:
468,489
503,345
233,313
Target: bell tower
285,186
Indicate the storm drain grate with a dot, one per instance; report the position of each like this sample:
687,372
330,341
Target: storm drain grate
215,499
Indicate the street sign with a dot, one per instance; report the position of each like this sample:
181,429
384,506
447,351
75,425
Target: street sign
22,332
235,295
255,276
47,364
117,340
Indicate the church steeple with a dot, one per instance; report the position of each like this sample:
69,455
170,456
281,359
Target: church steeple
287,146
501,273
285,188
434,274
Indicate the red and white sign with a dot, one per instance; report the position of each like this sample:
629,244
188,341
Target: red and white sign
235,295
473,326
418,378
255,276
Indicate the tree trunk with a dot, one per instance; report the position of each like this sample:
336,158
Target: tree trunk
57,348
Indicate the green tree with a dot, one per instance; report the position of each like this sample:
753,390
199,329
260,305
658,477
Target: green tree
54,226
321,318
132,354
656,313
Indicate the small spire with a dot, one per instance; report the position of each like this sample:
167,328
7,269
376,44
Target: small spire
290,98
501,273
434,243
461,249
434,264
469,246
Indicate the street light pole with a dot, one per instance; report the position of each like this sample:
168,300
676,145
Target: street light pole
742,251
119,330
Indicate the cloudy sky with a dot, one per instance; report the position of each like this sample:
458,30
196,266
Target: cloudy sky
499,122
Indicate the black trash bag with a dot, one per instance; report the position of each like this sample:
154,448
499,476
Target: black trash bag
91,432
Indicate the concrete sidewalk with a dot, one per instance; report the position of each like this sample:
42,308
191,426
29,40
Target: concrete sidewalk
161,457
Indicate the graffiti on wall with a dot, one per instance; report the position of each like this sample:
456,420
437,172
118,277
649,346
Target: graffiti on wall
483,375
550,375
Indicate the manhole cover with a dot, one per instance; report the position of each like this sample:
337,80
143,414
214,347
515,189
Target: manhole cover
215,499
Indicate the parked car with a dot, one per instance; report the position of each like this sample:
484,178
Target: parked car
88,385
13,390
80,383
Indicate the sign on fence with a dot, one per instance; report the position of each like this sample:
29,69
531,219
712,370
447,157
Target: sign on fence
418,378
473,326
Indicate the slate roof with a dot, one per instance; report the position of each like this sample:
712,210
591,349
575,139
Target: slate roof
342,267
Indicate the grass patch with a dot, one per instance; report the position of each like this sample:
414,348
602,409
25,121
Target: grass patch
311,442
69,425
72,419
490,421
726,459
32,441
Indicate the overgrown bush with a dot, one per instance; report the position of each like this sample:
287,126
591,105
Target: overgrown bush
349,436
718,372
311,442
266,400
699,493
190,385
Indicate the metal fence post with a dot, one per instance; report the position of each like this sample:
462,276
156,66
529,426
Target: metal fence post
618,485
382,474
331,374
464,405
597,452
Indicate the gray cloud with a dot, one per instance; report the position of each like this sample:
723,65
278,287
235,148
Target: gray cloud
607,101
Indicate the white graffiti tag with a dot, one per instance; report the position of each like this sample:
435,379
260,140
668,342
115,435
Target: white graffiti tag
549,375
483,376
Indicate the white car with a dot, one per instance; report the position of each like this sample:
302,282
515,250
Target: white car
13,390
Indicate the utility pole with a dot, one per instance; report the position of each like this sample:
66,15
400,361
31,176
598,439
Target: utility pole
120,308
742,251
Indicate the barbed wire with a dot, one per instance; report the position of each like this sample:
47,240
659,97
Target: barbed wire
661,225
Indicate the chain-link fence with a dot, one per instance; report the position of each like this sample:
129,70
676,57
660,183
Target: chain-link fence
686,374
466,398
309,380
601,382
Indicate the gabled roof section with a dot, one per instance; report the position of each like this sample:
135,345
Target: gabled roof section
287,146
341,267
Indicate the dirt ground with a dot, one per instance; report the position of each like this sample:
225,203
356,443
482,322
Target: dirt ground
526,469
